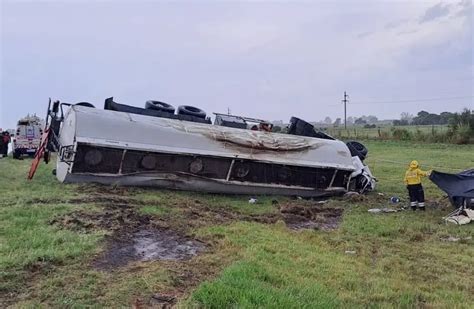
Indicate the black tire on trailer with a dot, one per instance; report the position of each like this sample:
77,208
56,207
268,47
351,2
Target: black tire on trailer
86,104
191,111
159,106
357,149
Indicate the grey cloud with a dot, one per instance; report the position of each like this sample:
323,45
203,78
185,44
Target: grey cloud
364,34
466,9
407,32
266,60
435,12
395,23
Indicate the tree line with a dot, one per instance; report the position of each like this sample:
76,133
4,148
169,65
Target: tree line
426,118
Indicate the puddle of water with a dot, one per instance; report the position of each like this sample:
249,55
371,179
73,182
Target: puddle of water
164,245
147,245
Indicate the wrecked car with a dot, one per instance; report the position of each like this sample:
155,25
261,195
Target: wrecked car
182,149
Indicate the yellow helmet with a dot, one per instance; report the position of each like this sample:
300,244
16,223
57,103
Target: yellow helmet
414,164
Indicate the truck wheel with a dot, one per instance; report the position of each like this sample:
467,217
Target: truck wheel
86,104
191,111
357,149
159,106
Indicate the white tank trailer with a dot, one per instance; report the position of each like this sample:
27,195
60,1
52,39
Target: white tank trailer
156,147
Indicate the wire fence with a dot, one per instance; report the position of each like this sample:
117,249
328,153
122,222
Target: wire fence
427,166
389,132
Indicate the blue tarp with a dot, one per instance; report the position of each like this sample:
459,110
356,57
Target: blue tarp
455,185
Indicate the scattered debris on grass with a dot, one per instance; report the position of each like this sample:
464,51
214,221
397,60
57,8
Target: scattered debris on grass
460,216
455,239
382,210
395,200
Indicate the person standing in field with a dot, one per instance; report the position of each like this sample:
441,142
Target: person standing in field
6,140
413,182
1,143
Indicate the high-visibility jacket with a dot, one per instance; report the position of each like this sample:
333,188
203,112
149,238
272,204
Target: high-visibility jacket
413,174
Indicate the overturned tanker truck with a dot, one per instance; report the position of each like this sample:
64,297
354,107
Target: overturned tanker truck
154,146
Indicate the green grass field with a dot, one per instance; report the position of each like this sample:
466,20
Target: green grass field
400,259
384,132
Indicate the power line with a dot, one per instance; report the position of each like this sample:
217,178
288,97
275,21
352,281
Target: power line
411,101
345,109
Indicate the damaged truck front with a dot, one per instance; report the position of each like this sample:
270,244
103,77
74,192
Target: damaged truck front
154,146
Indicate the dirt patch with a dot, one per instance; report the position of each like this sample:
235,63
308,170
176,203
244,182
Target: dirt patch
311,216
189,215
167,239
112,217
98,189
134,236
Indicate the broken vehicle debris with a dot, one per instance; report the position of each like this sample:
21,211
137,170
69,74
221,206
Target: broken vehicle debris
460,216
154,146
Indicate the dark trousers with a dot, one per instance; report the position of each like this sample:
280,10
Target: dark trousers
416,194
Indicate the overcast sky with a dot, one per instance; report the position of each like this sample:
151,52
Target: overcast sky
260,59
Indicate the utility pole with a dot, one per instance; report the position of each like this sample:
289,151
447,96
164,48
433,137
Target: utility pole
228,111
345,109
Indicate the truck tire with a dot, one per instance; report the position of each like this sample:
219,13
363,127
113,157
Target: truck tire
159,106
86,104
191,111
357,149
303,128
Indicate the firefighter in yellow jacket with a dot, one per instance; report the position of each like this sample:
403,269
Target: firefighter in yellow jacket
413,182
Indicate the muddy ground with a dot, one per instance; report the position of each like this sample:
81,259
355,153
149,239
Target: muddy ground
133,237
